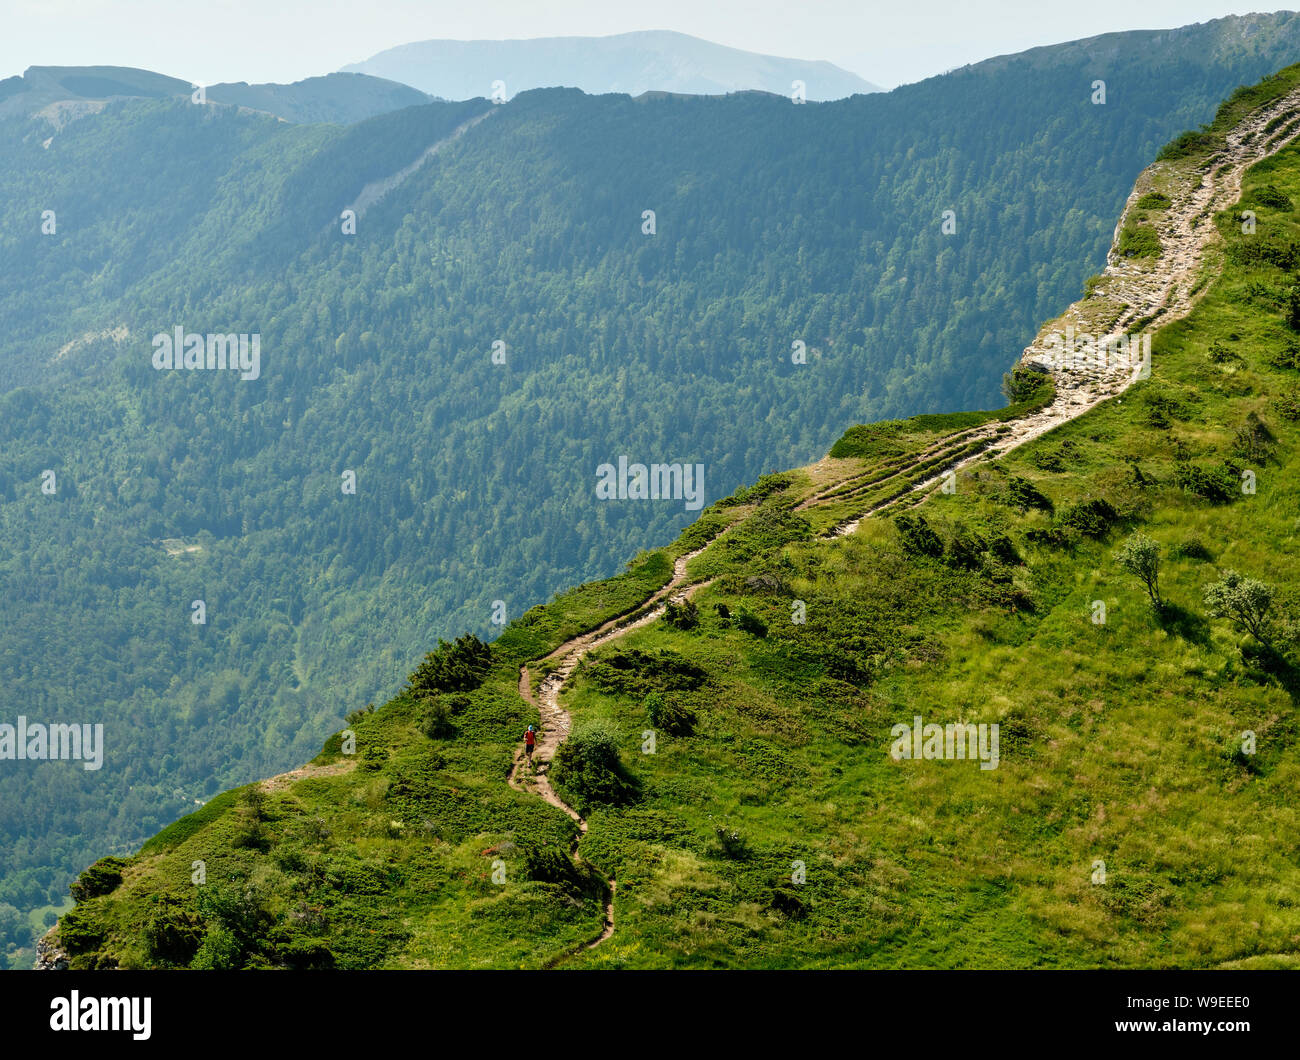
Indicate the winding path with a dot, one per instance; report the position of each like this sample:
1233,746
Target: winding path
556,723
1141,292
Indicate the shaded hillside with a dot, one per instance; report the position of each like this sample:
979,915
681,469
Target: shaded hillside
735,726
518,225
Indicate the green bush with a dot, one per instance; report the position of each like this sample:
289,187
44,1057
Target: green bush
730,844
101,878
78,933
458,667
172,933
1269,195
1023,494
1139,241
1288,405
1092,518
668,714
437,721
966,549
588,771
1217,484
684,615
917,536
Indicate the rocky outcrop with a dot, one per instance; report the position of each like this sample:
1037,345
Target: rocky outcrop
50,956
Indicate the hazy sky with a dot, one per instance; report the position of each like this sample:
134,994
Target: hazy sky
206,41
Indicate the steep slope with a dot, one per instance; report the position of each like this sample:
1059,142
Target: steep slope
725,716
646,61
519,225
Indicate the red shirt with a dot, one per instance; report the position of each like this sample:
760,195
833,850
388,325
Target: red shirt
529,737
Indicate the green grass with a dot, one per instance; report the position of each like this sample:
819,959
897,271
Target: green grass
1119,741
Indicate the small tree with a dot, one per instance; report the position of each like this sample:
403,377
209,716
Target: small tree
1140,556
1246,602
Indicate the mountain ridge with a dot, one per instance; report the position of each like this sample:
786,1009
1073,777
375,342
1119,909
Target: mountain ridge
713,684
634,63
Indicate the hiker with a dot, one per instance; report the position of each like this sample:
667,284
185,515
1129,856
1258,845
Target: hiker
530,739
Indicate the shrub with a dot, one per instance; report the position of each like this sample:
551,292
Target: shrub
636,672
1140,556
1289,357
1269,195
437,723
684,615
101,878
1192,548
668,714
547,863
1023,385
1023,494
1266,249
220,951
1222,353
1138,241
787,901
1246,602
1212,484
1192,142
588,769
1253,440
1092,518
751,624
1288,405
730,843
172,933
918,538
1003,549
458,667
966,549
78,934
1153,200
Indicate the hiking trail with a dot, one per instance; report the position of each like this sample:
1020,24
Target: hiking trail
1141,291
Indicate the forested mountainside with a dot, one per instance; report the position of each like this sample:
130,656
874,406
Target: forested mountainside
736,725
500,324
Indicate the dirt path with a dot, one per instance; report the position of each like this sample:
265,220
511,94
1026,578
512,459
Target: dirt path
556,723
1138,291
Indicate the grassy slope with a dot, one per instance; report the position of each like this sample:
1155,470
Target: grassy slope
1118,740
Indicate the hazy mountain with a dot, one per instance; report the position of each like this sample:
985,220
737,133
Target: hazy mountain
522,225
951,723
341,98
649,61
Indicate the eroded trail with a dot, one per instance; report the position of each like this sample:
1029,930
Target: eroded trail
556,722
1140,292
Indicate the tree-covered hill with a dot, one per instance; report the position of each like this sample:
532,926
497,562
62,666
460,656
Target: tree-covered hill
775,224
1117,596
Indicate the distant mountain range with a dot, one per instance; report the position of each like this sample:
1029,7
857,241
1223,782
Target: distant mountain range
650,61
339,98
646,268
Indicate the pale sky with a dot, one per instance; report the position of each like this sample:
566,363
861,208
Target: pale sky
206,41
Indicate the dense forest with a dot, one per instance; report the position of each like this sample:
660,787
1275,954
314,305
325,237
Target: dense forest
1115,603
774,225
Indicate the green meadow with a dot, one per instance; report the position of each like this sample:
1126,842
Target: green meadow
1143,812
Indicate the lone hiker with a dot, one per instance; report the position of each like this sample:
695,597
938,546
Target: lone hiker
530,740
